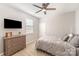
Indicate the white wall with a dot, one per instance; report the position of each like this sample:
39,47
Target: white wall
77,21
11,13
58,25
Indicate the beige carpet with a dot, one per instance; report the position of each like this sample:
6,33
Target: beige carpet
30,51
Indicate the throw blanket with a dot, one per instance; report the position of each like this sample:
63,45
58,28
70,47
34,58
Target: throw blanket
55,46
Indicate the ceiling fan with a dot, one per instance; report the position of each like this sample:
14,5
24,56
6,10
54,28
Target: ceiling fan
44,8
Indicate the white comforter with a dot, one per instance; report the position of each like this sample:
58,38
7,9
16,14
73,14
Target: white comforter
55,46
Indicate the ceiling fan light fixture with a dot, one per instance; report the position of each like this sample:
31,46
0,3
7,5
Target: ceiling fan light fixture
44,10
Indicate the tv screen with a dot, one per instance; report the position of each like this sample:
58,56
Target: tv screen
8,23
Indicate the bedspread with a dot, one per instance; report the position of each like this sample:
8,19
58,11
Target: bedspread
55,46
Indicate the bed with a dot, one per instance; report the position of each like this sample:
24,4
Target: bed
55,46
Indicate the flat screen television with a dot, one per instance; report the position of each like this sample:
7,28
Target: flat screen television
8,23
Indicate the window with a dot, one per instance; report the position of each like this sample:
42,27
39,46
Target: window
29,26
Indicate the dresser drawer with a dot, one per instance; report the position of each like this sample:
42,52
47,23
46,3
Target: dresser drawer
14,44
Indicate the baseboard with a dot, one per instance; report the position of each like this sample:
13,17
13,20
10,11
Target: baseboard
1,54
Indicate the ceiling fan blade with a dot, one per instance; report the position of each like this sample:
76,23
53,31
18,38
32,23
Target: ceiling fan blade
45,12
50,8
37,6
38,11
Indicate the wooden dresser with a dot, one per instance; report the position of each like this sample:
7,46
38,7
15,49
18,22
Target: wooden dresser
14,44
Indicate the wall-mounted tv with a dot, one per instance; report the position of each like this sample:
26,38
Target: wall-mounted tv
8,23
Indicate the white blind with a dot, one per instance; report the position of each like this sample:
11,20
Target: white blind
29,26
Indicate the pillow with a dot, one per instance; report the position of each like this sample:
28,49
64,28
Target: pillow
68,37
75,41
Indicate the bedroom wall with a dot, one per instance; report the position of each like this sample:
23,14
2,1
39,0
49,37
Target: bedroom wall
77,21
9,12
58,25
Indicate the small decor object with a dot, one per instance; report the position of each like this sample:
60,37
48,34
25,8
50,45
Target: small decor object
8,34
11,34
19,33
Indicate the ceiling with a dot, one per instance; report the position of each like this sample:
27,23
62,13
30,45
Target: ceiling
60,8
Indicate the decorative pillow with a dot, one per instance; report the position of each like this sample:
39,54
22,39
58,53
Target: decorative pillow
75,41
68,37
